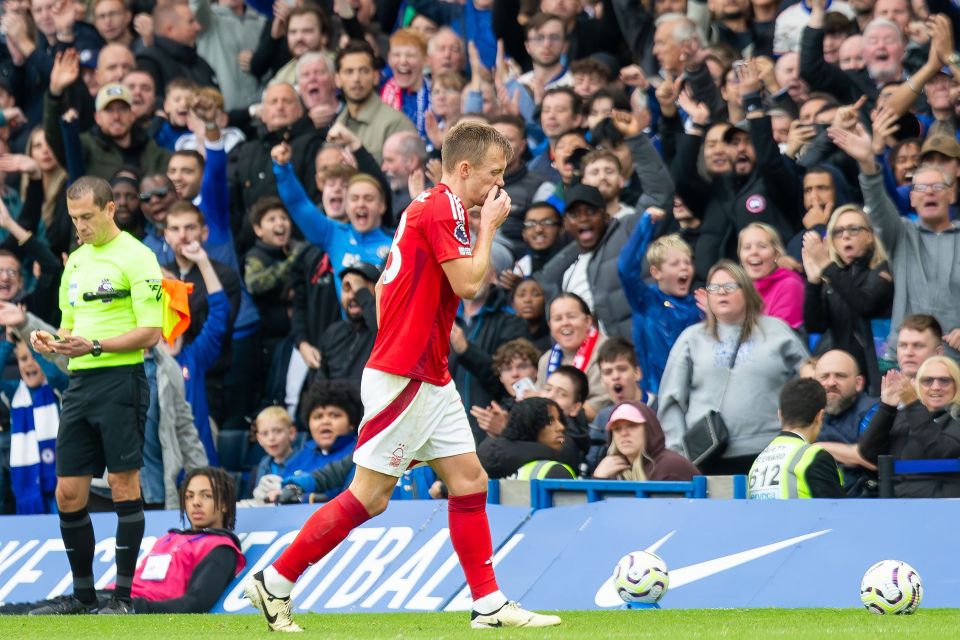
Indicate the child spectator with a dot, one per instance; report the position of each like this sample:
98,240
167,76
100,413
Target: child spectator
333,191
332,409
176,105
661,311
513,362
267,267
276,433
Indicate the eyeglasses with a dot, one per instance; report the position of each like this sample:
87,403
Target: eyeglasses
533,224
941,381
936,187
145,196
10,272
726,287
853,230
552,38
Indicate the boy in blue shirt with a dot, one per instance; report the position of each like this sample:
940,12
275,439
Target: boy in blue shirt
661,311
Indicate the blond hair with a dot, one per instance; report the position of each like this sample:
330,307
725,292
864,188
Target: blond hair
272,413
469,141
657,252
952,368
879,253
771,232
369,179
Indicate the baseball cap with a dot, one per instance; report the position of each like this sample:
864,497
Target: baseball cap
584,193
942,144
363,269
627,413
88,58
742,126
110,93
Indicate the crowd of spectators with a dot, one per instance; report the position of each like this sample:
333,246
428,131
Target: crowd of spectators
709,199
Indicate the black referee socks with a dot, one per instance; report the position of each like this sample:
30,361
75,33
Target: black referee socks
129,535
79,541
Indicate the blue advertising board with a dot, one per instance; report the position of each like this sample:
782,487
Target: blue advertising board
720,553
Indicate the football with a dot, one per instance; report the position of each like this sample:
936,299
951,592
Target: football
641,577
891,587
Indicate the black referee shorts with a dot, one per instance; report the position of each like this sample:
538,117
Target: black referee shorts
102,421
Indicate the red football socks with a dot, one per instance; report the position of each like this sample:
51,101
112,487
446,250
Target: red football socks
325,529
470,535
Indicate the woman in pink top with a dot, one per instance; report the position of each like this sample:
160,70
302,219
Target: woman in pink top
759,248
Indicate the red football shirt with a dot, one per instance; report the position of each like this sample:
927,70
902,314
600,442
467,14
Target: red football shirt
417,303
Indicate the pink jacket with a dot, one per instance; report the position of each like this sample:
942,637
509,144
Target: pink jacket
782,293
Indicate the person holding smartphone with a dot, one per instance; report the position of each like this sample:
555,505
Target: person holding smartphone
110,302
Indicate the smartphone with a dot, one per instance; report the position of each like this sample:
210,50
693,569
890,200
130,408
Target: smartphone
522,386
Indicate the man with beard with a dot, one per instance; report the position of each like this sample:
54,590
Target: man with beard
588,266
404,153
174,50
125,185
346,345
601,169
760,188
316,88
847,413
546,44
366,116
143,93
734,27
883,52
308,31
114,141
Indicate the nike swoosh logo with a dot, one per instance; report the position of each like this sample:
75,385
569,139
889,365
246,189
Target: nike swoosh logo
270,618
607,593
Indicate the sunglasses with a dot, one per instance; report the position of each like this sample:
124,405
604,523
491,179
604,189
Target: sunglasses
929,381
162,192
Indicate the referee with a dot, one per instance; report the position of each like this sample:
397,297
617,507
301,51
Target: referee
110,300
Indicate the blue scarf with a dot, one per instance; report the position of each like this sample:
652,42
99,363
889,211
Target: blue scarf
34,421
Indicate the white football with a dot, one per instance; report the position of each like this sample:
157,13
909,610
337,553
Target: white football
641,577
891,587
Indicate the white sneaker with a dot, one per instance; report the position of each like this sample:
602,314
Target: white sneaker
511,615
276,610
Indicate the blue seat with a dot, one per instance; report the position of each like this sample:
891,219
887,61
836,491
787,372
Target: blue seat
888,468
254,455
232,447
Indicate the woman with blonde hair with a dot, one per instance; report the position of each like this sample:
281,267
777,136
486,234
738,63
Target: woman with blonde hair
918,421
730,366
760,248
849,283
638,448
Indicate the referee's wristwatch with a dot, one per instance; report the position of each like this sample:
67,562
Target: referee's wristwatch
97,349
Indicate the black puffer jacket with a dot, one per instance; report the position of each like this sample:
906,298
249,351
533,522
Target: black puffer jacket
842,306
915,433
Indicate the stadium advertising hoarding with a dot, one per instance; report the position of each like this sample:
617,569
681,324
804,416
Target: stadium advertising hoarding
720,553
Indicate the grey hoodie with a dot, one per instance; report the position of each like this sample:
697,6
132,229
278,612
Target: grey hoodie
926,273
697,373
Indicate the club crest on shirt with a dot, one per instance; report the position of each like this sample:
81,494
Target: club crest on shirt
756,203
460,233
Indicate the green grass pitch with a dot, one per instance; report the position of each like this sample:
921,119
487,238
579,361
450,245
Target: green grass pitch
590,625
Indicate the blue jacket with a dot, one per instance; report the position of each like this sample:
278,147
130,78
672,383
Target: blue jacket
194,360
310,458
658,318
214,202
345,245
